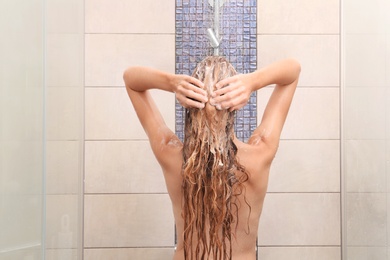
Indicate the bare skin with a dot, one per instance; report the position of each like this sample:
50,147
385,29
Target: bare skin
232,93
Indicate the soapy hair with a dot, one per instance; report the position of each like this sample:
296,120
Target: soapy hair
212,176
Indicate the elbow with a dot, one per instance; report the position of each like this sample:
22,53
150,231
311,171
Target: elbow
126,75
295,66
298,67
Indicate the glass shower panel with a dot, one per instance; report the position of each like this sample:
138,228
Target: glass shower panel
64,128
21,129
41,129
366,129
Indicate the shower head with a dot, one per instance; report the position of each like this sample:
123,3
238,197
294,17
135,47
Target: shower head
214,41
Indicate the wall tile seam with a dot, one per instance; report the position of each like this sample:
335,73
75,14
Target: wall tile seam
105,87
56,87
124,194
367,192
363,139
63,140
310,87
311,139
298,34
130,247
290,139
298,246
303,192
337,87
105,33
369,246
117,140
59,249
61,194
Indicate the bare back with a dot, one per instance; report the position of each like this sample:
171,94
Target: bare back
256,157
231,94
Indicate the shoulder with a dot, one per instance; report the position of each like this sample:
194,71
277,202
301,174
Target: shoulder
256,159
257,151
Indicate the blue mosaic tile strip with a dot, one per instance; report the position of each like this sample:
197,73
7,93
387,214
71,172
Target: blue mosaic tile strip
238,27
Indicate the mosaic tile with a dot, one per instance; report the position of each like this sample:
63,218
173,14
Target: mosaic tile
238,30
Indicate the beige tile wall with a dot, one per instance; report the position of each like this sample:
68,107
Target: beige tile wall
301,218
127,210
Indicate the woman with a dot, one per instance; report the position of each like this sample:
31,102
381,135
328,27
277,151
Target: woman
217,184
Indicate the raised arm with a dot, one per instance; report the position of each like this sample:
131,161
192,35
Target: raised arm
233,93
139,80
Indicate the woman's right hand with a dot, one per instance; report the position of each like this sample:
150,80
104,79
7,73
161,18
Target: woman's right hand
232,93
189,91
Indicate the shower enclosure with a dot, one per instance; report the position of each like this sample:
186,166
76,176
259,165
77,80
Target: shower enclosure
41,129
366,129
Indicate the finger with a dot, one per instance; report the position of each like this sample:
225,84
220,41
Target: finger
234,103
226,95
189,103
223,91
227,105
241,104
190,86
193,92
199,84
197,96
192,103
225,82
235,108
198,90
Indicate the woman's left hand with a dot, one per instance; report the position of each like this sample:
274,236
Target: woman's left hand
232,93
189,91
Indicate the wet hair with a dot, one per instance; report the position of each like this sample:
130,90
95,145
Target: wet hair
212,175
